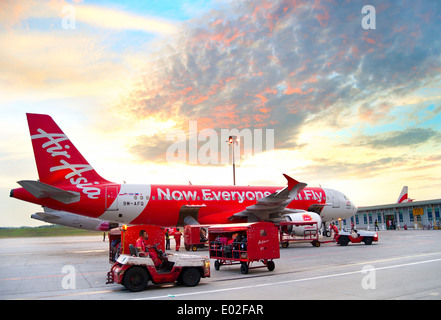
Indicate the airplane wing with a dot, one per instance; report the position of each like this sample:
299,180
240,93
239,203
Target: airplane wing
318,207
274,205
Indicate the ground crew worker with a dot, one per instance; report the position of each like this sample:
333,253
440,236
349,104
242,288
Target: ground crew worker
177,236
167,240
335,229
141,242
376,225
141,245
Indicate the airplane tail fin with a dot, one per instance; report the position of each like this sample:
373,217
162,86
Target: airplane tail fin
58,160
403,195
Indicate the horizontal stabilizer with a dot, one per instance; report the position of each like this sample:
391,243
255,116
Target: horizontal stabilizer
42,190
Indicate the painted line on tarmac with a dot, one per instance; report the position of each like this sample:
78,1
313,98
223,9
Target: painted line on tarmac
62,295
45,276
54,252
387,260
288,281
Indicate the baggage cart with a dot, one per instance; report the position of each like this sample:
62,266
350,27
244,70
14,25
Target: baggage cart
310,234
244,243
195,237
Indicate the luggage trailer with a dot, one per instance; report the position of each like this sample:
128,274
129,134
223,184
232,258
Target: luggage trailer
244,243
310,234
195,237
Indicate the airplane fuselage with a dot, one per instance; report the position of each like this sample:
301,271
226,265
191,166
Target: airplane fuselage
167,205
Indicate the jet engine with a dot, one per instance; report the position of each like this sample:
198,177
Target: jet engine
302,216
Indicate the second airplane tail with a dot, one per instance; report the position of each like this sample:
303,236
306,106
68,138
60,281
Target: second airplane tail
403,195
58,160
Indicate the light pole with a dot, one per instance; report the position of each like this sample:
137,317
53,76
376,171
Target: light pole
231,141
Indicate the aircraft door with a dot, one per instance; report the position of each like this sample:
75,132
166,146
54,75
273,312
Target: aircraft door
188,214
111,198
335,200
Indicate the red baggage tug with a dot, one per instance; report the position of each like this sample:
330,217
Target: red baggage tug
135,271
244,243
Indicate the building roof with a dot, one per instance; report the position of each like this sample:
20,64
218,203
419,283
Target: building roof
400,205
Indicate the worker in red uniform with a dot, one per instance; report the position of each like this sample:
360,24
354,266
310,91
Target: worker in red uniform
177,236
141,245
335,229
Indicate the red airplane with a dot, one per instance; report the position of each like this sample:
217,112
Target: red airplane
69,188
404,196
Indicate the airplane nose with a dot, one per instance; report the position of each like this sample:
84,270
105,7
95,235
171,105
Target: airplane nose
354,206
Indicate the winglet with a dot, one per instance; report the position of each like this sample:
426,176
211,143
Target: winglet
291,182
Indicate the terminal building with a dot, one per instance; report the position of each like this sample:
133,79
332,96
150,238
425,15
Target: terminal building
410,215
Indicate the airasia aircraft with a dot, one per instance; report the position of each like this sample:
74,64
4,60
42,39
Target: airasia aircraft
404,196
69,186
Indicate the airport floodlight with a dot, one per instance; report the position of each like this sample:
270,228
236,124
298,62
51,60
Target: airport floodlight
232,140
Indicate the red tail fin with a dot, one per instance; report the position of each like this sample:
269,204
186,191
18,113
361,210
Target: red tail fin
403,195
58,161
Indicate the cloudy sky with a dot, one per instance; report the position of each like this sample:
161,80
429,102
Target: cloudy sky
145,89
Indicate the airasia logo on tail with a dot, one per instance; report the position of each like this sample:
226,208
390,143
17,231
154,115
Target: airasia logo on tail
75,177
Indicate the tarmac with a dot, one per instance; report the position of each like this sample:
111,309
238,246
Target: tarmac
402,265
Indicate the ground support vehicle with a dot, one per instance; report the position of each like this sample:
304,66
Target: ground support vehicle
244,243
135,272
367,237
195,237
310,234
